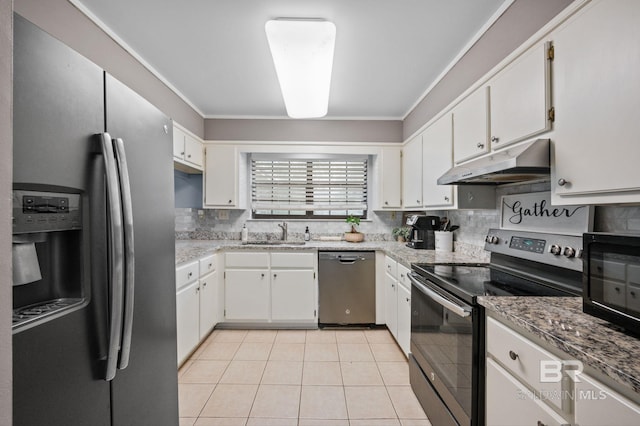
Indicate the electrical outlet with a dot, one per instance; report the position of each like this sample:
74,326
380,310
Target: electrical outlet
223,214
200,214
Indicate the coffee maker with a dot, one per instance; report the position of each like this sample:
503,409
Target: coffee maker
422,227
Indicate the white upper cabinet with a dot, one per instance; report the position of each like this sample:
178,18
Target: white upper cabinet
412,173
188,154
437,159
521,98
597,101
221,177
390,176
471,126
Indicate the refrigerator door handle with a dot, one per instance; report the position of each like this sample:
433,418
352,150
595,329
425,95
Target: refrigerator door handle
116,251
129,252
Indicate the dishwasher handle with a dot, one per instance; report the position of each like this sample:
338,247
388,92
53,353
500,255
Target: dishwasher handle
349,260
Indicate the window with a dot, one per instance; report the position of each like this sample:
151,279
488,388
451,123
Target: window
320,188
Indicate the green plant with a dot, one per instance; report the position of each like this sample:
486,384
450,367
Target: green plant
354,221
402,231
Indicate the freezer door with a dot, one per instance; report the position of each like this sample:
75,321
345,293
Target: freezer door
146,391
58,106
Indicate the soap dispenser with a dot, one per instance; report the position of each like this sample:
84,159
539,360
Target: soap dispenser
307,235
245,233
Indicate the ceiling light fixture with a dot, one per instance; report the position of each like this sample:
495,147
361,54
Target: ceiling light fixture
302,51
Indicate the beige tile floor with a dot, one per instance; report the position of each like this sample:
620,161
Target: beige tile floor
298,377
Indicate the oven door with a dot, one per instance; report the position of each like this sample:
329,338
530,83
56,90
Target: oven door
442,343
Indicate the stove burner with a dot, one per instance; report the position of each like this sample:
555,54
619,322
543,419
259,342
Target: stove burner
31,313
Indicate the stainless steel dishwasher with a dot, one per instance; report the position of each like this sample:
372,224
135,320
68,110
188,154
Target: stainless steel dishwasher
347,287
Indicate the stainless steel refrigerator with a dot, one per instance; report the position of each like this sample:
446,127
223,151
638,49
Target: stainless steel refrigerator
94,336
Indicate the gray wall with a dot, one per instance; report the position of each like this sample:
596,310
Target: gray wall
519,22
62,20
6,90
188,190
303,130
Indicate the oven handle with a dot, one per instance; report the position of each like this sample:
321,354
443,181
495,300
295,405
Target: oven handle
456,309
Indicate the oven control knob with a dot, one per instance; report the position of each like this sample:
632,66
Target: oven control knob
491,239
569,252
555,249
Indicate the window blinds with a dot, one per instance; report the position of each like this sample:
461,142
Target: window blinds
334,187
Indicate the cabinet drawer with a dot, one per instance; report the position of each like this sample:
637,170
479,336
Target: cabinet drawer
292,260
391,267
522,358
247,260
186,274
207,265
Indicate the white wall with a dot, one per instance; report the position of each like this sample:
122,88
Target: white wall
6,161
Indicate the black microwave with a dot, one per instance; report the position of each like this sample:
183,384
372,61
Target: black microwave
611,278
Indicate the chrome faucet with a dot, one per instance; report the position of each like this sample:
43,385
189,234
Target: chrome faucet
283,225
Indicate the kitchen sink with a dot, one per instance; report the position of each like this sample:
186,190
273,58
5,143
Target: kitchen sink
274,243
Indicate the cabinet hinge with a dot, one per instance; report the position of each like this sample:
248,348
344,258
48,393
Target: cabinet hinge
314,313
551,53
314,275
224,275
552,114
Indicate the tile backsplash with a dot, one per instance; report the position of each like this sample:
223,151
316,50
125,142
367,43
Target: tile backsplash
192,223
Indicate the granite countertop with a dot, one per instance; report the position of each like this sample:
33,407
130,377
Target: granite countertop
187,250
560,322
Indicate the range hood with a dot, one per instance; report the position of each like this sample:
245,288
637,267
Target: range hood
528,161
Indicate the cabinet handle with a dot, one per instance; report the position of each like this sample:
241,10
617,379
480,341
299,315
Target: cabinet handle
189,156
408,300
480,145
261,275
197,289
182,153
446,198
418,201
540,423
189,274
495,139
210,265
204,284
230,201
393,286
562,182
513,355
275,275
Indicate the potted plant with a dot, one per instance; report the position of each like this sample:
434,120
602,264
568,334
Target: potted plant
401,233
353,236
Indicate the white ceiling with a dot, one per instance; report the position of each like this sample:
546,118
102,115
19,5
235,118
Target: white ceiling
214,53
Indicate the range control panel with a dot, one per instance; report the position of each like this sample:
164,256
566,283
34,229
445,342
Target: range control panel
553,249
39,211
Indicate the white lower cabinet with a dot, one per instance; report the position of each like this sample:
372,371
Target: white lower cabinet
391,304
293,295
246,294
398,302
187,319
196,303
208,303
271,287
404,318
596,405
510,403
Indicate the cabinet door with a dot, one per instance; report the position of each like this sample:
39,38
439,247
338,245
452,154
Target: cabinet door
520,98
178,143
471,126
293,295
437,158
597,99
220,177
412,173
390,177
404,318
193,151
596,404
187,319
510,403
391,304
208,303
246,294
